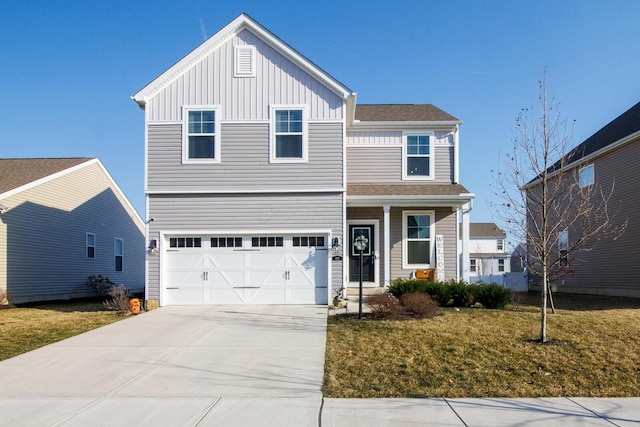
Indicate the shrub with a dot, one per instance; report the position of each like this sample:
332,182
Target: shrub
420,305
401,286
119,301
493,295
384,306
101,285
439,292
462,294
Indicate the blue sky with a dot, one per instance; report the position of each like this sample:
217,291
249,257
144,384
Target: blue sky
68,68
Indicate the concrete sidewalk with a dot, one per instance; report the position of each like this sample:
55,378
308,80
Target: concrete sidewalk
237,366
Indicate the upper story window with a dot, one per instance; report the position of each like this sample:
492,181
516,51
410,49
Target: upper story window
418,232
586,176
500,244
201,139
417,156
289,139
90,242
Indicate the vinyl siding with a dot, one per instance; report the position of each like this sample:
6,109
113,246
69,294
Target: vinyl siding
42,256
244,161
251,212
210,81
610,267
376,157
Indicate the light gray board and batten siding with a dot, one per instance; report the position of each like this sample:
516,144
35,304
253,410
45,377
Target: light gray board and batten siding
376,157
244,161
45,246
211,81
235,213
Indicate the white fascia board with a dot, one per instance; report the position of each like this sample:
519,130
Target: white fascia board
627,139
234,27
432,125
241,232
47,178
362,201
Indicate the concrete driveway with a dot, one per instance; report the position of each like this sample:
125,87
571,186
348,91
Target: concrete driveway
176,366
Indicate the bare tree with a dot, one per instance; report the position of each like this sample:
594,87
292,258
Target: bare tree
540,198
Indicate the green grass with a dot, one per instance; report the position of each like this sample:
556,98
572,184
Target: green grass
24,329
594,351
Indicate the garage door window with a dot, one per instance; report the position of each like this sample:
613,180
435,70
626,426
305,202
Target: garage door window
226,242
308,241
267,242
185,242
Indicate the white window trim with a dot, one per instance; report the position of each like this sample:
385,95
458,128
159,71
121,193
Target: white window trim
500,244
432,239
237,68
431,175
87,245
585,169
503,265
115,252
272,134
185,133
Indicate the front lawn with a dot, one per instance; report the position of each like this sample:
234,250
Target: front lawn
24,329
594,351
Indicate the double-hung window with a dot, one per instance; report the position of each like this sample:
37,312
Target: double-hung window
90,244
586,176
201,139
501,265
289,139
118,250
417,158
563,247
418,232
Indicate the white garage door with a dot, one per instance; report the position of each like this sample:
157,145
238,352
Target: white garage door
282,269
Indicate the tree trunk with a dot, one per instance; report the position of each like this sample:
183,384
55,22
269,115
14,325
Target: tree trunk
543,318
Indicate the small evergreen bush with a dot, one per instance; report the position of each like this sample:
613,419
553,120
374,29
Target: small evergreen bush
493,295
462,293
401,286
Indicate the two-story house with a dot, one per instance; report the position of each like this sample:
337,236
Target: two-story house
261,170
488,256
607,163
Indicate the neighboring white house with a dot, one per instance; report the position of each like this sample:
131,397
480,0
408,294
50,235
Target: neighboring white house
61,221
488,256
262,171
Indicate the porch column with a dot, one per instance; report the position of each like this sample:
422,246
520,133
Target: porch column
387,247
466,209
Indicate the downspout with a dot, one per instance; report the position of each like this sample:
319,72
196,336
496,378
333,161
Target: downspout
456,157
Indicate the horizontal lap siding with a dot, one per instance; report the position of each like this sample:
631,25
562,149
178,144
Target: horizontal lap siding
210,81
45,237
244,161
250,212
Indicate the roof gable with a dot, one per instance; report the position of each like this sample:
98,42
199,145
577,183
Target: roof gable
16,173
242,22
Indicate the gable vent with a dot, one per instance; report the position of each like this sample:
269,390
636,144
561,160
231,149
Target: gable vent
244,64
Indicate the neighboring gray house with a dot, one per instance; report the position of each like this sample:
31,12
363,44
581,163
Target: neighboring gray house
62,220
261,169
488,254
608,158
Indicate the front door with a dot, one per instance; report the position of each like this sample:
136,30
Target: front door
368,256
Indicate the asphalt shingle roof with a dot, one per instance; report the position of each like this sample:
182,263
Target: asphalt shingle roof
405,189
401,113
15,173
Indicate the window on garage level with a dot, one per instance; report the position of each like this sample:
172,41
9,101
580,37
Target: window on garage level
118,252
226,242
201,135
289,141
185,242
308,241
267,242
90,245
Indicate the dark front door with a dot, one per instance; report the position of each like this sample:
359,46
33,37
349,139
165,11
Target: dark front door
368,258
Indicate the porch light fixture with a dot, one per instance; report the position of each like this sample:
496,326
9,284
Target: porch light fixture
360,244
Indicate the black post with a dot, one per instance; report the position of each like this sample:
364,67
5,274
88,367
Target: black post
360,299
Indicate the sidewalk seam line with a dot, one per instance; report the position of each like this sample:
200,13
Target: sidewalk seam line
320,412
455,412
209,409
589,410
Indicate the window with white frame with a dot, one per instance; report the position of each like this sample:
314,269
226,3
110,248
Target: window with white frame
118,250
418,232
500,243
501,265
586,176
201,139
563,247
473,266
417,156
90,245
289,139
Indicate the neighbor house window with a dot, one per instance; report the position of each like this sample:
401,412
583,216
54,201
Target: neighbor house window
473,266
563,247
417,156
417,230
90,242
501,265
118,248
201,135
501,244
586,176
289,142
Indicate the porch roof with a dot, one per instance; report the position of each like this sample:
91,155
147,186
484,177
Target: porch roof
408,194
